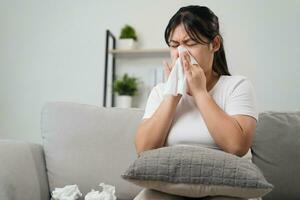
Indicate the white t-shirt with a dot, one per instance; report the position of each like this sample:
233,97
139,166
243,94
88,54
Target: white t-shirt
233,94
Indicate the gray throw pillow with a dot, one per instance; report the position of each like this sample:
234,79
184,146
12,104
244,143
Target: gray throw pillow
195,171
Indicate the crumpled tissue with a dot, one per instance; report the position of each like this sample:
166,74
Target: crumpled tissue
176,83
69,192
108,193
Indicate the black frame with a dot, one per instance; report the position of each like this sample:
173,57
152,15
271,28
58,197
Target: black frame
108,36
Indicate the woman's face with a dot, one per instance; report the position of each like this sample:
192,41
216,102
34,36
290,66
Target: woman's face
203,53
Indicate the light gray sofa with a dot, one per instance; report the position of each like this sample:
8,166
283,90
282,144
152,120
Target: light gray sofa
87,145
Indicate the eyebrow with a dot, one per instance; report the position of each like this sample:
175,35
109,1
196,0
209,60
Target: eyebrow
186,40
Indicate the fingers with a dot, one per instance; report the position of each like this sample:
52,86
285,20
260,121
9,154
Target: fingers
176,55
174,61
167,68
187,56
186,65
192,67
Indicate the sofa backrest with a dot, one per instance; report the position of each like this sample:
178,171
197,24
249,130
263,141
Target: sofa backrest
276,151
87,145
22,171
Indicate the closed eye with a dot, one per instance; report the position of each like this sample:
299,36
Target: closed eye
191,43
188,43
174,45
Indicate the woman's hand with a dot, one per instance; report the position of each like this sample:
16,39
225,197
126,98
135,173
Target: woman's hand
168,67
196,79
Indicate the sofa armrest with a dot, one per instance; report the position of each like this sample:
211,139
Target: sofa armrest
22,171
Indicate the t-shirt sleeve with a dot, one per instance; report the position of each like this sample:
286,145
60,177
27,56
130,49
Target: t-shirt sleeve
242,100
153,102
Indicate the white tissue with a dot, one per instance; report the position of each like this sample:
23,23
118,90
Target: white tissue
92,195
176,83
108,193
69,192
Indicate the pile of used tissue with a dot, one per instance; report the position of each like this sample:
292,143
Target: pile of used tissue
71,192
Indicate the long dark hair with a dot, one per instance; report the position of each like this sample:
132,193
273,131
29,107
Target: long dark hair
200,21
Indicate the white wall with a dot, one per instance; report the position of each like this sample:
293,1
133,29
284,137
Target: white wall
54,51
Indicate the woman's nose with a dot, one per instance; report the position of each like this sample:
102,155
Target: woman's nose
183,46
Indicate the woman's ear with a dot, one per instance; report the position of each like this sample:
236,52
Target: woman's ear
216,43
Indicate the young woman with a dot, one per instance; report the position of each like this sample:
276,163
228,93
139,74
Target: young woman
219,109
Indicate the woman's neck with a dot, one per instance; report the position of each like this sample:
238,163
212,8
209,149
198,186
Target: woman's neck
211,80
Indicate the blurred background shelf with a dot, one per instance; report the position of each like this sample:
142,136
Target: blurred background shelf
158,52
111,53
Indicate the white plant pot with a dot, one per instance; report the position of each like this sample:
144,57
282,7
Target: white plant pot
126,44
124,101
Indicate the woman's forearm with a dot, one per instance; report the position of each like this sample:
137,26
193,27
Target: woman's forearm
225,131
153,132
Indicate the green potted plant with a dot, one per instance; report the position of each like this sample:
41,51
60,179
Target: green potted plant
128,38
126,87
